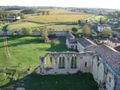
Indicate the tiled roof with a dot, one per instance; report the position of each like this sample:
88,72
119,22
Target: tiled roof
70,36
85,42
114,40
109,54
72,41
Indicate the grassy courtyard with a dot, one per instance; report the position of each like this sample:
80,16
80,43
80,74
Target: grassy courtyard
20,53
82,81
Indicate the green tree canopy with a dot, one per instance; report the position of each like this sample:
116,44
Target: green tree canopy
106,32
27,31
86,30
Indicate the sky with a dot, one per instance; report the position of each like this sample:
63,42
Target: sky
112,4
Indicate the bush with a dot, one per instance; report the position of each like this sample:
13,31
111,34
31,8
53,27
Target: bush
27,31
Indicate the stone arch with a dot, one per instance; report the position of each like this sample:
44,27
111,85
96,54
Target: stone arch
73,61
48,62
95,68
61,62
110,81
100,72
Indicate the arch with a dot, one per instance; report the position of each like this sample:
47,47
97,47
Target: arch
100,72
48,62
61,62
74,62
95,68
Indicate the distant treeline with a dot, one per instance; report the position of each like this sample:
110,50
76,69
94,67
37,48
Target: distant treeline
5,14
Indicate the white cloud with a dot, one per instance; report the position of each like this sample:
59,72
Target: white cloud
65,3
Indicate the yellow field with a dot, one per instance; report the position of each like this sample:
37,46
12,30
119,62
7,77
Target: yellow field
59,11
58,18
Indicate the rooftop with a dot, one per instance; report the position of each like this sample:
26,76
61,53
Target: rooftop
86,42
109,54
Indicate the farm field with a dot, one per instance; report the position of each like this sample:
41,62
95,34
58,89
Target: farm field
59,11
58,18
23,52
20,25
61,27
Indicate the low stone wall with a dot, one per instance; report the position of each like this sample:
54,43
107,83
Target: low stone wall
37,33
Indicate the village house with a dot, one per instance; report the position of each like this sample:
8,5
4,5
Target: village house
13,18
71,42
101,27
112,42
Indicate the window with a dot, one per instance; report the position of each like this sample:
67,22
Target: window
74,62
61,62
109,79
51,59
48,62
85,64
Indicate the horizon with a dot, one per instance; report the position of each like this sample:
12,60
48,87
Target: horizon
113,4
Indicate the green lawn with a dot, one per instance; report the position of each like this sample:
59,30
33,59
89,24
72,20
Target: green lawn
25,52
83,81
20,25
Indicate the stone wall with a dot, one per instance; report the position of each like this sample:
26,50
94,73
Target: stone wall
36,33
85,62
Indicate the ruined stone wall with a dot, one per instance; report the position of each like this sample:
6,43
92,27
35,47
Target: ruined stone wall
85,62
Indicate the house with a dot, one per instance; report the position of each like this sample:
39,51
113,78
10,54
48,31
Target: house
13,18
113,42
71,42
83,43
101,27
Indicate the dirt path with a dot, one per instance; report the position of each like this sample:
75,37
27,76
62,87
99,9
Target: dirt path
6,48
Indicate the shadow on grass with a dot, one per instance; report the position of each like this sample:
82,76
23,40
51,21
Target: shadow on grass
59,47
23,42
81,81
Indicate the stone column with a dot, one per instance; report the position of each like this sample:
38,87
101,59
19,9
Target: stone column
67,63
42,65
55,64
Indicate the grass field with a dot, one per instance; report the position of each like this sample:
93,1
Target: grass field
24,52
97,18
20,25
58,18
61,27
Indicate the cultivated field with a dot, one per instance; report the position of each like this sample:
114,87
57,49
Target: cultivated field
58,18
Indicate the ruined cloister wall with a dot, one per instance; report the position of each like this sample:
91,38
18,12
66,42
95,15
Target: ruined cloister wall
85,62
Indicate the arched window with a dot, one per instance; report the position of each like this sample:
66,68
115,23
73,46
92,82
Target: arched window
48,62
61,62
85,64
74,62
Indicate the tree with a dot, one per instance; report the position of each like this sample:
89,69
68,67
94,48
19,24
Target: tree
86,30
27,31
44,34
106,32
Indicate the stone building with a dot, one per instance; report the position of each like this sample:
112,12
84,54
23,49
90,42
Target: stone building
105,72
101,27
83,43
71,42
